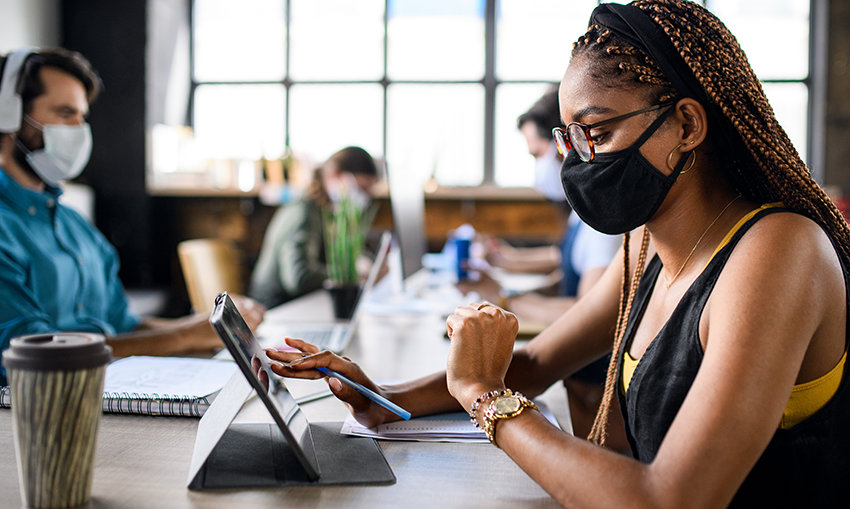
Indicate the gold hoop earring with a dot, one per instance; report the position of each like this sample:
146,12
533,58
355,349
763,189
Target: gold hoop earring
670,157
693,161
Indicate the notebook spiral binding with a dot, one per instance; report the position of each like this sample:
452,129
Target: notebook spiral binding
5,397
154,404
135,403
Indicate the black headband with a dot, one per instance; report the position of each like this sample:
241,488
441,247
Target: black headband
635,27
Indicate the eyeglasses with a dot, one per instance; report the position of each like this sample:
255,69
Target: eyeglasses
576,136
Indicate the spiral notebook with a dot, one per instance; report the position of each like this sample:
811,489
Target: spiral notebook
174,386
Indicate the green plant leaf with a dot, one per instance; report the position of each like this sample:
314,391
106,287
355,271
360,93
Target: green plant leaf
344,237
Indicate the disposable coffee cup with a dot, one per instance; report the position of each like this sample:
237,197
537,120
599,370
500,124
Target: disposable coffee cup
56,382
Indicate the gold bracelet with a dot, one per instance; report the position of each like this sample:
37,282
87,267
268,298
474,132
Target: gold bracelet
505,405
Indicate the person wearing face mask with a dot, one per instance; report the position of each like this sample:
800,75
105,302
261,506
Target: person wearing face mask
57,271
292,259
583,254
535,125
726,310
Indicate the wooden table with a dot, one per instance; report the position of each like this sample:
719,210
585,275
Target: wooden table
143,461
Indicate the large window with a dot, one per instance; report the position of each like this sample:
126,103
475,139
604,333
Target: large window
434,87
775,36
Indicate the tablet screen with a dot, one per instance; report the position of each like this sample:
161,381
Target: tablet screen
243,347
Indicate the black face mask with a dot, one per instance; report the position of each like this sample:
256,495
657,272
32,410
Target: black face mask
618,191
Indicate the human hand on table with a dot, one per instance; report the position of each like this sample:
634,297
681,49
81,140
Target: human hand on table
302,363
487,288
177,336
482,338
497,252
252,311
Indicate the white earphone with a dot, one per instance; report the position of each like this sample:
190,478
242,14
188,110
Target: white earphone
11,104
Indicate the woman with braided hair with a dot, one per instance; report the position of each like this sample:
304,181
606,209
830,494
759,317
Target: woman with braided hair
726,308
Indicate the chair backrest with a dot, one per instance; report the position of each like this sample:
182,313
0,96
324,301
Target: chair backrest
210,266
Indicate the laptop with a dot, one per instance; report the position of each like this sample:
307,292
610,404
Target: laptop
289,452
334,336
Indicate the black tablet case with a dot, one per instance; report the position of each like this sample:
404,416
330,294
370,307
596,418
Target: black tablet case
249,455
257,456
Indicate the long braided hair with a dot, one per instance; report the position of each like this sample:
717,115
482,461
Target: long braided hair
761,163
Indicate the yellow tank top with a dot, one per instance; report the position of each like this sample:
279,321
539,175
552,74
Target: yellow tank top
807,398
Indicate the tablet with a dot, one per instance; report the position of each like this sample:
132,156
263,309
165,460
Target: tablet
243,346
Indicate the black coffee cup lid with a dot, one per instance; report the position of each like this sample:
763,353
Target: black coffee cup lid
62,351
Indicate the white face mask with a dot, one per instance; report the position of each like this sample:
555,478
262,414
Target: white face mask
346,184
547,174
66,151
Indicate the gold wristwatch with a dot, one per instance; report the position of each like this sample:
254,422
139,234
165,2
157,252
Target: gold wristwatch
505,406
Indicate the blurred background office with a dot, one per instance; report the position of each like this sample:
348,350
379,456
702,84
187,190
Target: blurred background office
215,112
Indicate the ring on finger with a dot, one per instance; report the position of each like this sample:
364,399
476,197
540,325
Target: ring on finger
483,305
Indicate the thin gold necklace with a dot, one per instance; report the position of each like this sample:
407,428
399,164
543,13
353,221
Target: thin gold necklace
668,283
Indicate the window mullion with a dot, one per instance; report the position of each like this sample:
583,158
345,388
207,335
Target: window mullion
286,81
818,70
490,92
190,104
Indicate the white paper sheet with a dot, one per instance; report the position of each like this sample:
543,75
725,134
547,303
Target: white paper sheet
450,427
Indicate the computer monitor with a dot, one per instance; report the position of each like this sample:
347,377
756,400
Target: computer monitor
407,201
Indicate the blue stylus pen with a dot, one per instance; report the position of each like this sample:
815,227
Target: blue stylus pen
377,398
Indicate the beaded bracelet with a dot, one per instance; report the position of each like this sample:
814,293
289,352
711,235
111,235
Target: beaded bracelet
473,412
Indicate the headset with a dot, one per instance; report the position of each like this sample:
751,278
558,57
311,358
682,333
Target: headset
11,104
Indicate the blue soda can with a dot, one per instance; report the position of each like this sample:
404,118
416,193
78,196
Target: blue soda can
462,258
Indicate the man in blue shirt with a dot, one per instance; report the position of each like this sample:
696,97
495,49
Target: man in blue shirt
57,271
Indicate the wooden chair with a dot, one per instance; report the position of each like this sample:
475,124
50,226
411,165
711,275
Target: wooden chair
210,266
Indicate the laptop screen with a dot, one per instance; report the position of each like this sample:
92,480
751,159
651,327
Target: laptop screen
244,348
374,272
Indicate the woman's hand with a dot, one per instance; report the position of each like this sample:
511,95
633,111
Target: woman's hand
482,337
301,363
257,367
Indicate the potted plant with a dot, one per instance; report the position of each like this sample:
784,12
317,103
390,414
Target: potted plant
344,237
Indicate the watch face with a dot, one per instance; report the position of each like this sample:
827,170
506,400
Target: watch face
506,405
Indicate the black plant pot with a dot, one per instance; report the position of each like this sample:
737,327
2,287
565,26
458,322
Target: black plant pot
344,299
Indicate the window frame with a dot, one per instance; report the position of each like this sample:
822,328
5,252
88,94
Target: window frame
815,82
